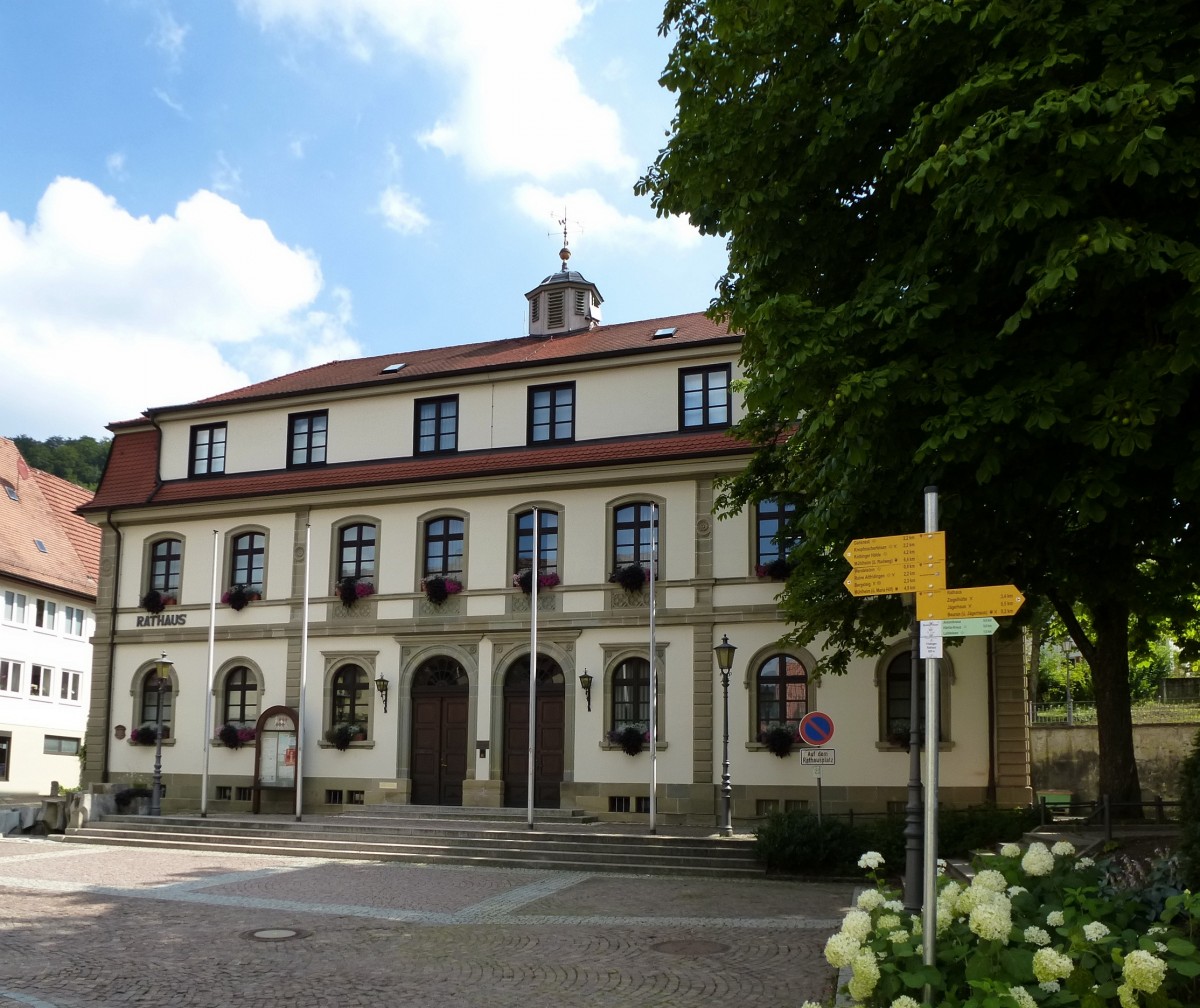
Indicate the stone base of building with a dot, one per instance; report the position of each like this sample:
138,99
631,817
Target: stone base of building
483,794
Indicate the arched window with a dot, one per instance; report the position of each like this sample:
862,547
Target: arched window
771,545
356,551
444,538
240,705
547,535
351,696
166,566
156,696
897,702
248,557
631,695
781,690
633,534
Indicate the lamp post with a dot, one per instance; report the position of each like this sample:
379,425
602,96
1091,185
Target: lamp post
162,670
381,684
724,652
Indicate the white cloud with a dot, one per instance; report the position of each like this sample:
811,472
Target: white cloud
115,163
602,222
170,102
103,314
168,35
401,212
225,177
519,107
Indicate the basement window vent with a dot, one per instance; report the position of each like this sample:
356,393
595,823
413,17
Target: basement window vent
765,806
664,333
245,794
224,792
643,804
393,368
618,803
333,797
356,798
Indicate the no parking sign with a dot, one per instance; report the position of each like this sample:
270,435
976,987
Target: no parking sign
816,728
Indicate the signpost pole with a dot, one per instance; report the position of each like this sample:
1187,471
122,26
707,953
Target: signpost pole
932,735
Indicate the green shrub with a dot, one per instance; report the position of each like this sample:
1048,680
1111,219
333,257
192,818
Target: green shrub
963,831
799,843
1189,815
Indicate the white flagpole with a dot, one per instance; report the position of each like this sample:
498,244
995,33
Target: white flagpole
303,676
653,671
208,693
533,608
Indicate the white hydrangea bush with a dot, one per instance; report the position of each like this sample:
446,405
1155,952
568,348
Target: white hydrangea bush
1035,928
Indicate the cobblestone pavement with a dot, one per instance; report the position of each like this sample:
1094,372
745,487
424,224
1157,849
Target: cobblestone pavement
115,926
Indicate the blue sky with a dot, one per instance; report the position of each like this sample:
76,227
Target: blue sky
198,194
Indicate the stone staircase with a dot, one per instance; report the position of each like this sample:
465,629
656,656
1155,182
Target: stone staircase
560,839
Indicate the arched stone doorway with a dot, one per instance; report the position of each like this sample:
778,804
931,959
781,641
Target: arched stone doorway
548,748
440,708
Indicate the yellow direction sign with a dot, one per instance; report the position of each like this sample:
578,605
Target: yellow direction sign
968,603
890,565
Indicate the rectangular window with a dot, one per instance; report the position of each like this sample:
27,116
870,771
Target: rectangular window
771,545
704,397
45,614
551,415
249,558
41,681
73,621
10,676
307,437
69,686
5,753
436,426
14,607
60,745
166,566
547,542
207,456
356,552
633,535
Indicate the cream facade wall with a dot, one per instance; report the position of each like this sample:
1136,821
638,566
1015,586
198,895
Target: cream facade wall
43,721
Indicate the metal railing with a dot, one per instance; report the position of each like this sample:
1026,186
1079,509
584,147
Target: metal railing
1089,813
1068,713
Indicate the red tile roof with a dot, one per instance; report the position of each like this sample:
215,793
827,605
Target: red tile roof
137,486
603,341
46,511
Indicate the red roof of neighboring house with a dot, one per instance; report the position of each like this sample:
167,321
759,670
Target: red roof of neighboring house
525,351
46,511
137,485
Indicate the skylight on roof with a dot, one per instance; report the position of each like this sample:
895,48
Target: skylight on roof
40,545
393,368
664,333
11,491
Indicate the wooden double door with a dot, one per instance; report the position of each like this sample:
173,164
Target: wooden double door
548,760
440,732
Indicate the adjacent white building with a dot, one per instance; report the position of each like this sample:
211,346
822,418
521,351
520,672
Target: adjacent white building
331,561
49,565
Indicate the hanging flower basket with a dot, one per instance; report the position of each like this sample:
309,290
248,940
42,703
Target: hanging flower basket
438,589
238,596
632,578
632,739
155,601
341,735
779,739
351,589
524,581
229,737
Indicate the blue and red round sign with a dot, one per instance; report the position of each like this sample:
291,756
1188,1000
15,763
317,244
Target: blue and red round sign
816,728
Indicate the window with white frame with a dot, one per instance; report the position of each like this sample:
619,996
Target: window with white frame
14,607
69,683
73,621
41,681
10,676
45,614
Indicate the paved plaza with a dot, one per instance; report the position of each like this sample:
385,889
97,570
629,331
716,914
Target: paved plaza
104,926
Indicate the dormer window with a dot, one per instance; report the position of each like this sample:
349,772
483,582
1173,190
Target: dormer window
556,313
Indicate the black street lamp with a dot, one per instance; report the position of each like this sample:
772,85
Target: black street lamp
162,671
724,652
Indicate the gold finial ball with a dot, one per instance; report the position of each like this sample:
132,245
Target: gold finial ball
564,253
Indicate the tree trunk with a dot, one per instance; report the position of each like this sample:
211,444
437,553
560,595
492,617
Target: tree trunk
1110,679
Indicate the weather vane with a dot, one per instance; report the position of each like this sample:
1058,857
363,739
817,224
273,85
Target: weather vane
565,252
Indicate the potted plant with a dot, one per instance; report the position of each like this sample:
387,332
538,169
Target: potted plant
229,736
341,735
245,735
779,739
524,580
630,738
145,735
238,596
632,577
155,601
438,589
351,589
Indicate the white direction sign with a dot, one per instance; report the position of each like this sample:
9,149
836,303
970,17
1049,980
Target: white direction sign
931,639
818,757
978,626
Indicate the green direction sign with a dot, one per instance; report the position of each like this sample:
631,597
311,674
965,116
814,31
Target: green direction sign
979,626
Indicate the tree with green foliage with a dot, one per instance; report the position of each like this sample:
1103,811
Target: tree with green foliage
962,251
78,460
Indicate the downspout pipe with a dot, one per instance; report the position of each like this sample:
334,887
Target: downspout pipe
112,645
